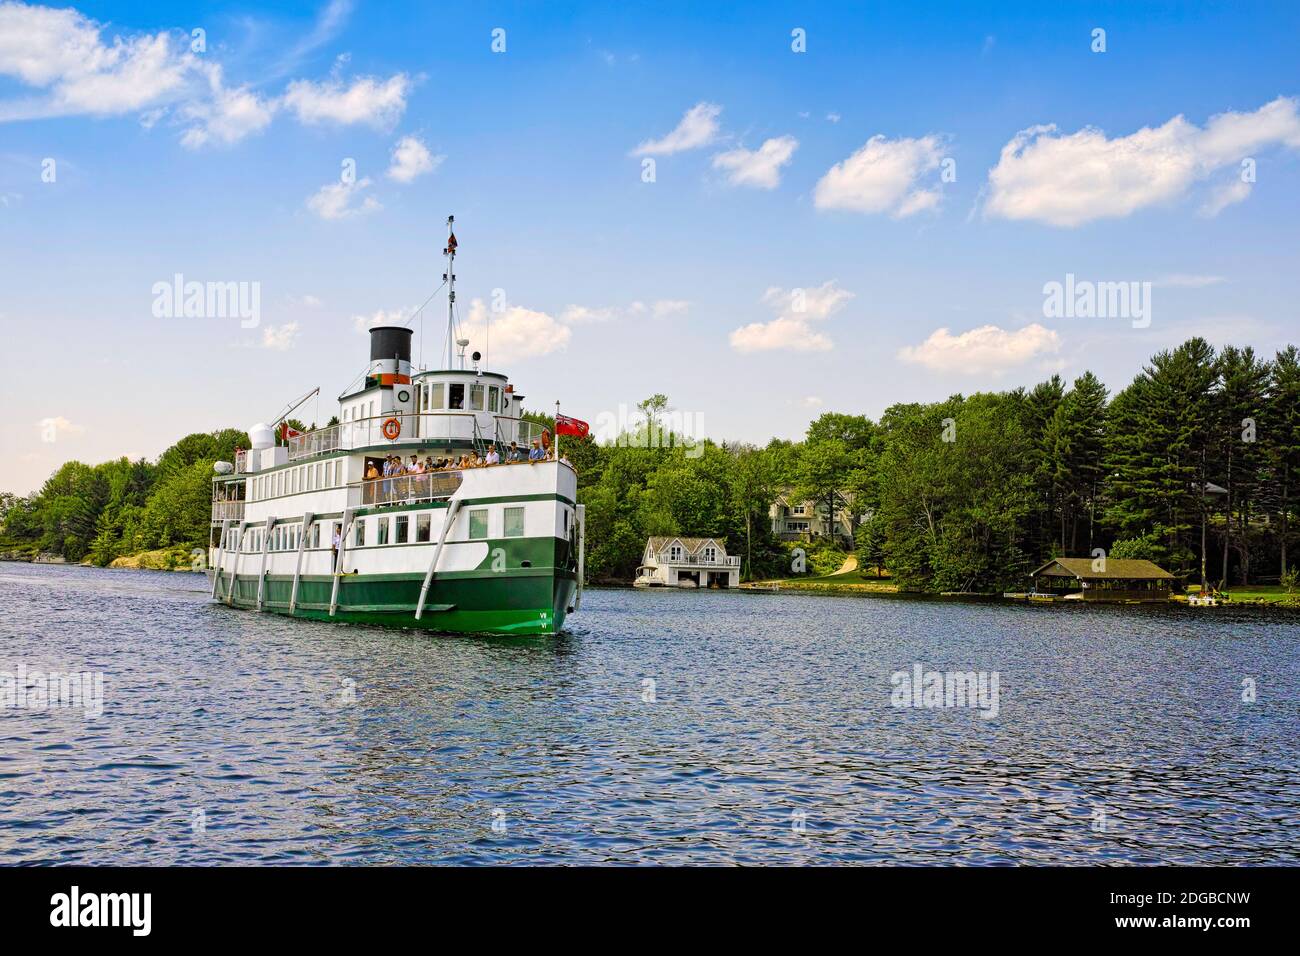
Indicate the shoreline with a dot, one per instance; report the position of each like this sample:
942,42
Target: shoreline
177,560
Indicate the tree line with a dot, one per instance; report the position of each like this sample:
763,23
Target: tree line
1194,465
100,512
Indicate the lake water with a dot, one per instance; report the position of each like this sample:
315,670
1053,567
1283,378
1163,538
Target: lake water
767,736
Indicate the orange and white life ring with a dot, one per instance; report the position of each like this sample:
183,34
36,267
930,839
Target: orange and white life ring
391,428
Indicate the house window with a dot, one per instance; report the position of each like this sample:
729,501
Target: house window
422,522
383,532
478,523
675,553
710,554
403,524
800,509
457,395
514,523
476,398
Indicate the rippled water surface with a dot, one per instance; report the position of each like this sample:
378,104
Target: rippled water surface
233,737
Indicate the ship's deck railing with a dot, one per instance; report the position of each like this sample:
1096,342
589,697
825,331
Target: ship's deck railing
723,561
415,428
221,510
401,489
518,430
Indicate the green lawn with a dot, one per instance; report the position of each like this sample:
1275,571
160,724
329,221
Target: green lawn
1257,594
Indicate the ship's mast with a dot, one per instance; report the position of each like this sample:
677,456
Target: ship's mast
449,277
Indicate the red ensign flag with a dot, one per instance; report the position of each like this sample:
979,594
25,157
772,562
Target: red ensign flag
564,425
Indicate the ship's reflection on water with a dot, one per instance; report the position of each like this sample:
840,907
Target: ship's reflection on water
663,726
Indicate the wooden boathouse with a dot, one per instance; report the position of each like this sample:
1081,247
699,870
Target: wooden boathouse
1101,579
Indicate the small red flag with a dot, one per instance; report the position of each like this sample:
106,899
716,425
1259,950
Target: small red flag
564,425
286,432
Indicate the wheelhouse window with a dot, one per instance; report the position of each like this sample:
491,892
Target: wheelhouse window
478,523
476,398
514,523
494,398
435,396
457,394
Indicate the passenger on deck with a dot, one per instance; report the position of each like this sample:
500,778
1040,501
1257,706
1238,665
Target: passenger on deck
492,457
415,468
371,471
536,453
512,453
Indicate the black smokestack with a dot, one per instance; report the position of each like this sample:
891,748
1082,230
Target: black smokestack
390,341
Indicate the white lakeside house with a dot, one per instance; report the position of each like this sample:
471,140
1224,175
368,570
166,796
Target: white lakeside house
675,562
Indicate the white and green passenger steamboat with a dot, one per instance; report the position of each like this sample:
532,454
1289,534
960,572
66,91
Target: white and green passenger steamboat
299,528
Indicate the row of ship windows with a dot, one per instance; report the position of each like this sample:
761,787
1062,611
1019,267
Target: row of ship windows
385,529
400,529
290,481
434,394
284,537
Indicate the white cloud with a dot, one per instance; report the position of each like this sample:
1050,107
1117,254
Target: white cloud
339,200
364,323
1068,180
832,117
62,51
580,314
792,330
79,68
882,177
515,333
982,350
699,127
367,100
813,304
760,168
1223,196
228,116
58,425
659,309
811,401
279,337
666,307
412,158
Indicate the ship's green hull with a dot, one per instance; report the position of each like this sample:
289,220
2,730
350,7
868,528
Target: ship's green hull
470,602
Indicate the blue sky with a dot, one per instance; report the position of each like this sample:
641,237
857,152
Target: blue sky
879,171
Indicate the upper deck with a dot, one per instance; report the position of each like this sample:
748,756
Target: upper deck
428,430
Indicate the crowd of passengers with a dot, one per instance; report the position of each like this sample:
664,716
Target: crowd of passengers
394,467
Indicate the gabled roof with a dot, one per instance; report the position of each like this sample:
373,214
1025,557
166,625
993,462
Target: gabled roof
689,545
1127,569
